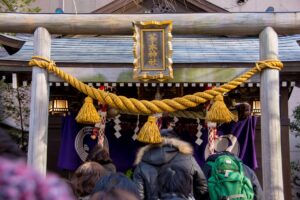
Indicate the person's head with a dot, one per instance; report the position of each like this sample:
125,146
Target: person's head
8,148
116,181
20,181
174,179
244,110
85,177
99,155
114,194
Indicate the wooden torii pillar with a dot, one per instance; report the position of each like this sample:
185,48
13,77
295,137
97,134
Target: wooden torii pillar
270,119
39,105
199,23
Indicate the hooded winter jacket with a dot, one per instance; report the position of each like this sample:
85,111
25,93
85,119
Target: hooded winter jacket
151,158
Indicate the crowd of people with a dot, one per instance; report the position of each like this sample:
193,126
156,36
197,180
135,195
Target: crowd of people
18,181
166,171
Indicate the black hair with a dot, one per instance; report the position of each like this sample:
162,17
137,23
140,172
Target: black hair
85,178
244,110
114,194
100,155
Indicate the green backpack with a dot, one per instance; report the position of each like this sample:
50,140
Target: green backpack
227,180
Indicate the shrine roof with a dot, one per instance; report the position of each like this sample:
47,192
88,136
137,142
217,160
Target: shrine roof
192,49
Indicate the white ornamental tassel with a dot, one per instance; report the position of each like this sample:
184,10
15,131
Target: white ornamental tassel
212,136
101,126
102,112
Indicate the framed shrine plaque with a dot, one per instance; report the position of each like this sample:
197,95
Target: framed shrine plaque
152,50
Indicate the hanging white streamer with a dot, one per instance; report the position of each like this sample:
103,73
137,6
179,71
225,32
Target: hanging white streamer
136,128
175,119
117,126
199,133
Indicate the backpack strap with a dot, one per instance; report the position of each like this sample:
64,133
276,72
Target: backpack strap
209,170
240,164
210,163
233,197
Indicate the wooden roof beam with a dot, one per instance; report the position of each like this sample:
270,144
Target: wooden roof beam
11,41
119,24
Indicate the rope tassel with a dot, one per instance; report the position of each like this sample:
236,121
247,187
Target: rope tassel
88,113
149,133
219,112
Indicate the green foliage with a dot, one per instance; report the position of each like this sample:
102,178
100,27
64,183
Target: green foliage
295,124
295,129
129,173
295,166
18,6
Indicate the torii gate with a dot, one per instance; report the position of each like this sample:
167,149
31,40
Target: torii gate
266,25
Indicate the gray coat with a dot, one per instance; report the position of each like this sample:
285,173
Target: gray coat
151,158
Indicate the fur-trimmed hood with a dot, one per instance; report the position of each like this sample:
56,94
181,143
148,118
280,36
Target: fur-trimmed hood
158,154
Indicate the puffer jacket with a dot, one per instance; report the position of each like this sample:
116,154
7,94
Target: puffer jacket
151,158
258,192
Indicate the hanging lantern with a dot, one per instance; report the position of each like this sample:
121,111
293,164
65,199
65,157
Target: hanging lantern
256,108
58,106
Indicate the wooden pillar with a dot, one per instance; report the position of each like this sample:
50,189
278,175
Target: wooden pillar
285,143
270,119
38,125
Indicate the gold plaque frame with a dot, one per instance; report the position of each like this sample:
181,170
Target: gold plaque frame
152,50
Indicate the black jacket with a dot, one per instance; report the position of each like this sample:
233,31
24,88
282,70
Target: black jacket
258,193
151,158
171,196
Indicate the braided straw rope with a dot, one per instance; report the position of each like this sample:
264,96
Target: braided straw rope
179,113
188,114
155,106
